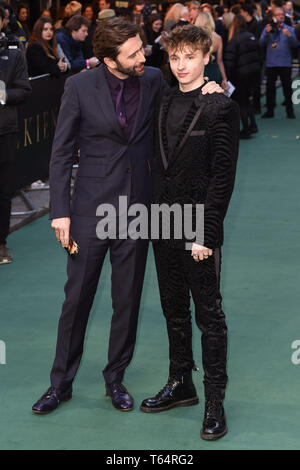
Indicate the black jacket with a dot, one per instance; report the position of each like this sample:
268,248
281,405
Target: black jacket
39,63
13,71
241,58
202,168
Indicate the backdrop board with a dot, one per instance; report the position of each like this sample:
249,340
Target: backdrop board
37,123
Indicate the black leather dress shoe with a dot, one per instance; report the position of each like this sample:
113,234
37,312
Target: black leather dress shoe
120,397
177,392
214,423
50,400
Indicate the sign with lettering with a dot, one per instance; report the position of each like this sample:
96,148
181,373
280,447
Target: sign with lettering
37,123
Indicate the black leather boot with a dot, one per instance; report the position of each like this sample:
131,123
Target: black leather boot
214,423
179,391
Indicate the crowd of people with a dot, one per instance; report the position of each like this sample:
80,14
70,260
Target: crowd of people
250,40
185,158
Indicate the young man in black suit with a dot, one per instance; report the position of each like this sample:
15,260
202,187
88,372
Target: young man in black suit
196,158
109,111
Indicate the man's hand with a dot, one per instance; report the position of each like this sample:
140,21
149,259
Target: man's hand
200,252
268,28
62,230
211,87
286,32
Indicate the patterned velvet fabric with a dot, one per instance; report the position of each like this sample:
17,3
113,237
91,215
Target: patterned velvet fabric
203,171
178,275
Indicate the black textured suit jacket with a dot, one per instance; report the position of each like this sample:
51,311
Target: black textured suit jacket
109,165
202,168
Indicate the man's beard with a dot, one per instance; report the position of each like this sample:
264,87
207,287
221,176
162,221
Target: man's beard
131,71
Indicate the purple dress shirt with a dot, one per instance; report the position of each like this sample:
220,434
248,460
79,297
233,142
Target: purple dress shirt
130,98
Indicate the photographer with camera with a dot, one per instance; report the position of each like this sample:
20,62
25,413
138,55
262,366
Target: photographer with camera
14,89
279,39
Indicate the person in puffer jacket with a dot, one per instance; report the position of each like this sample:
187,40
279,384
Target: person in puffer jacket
241,60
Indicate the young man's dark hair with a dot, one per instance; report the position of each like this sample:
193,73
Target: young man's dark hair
110,35
188,36
2,13
76,21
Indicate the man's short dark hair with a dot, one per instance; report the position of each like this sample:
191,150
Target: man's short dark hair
110,35
247,8
189,36
76,21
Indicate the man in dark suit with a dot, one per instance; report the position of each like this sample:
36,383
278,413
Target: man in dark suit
109,112
196,154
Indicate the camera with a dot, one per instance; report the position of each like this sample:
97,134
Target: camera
275,29
6,44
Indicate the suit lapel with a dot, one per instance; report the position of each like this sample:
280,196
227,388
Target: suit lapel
142,108
162,133
190,121
106,103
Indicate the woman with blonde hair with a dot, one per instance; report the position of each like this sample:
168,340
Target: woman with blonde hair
176,13
227,20
215,69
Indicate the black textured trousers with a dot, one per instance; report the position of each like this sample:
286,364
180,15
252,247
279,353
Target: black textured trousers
178,276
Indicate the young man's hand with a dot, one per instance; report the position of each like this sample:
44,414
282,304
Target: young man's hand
200,252
211,87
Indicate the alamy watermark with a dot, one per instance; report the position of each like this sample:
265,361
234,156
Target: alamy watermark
160,221
296,354
296,94
2,353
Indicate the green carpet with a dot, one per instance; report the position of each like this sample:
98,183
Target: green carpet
260,286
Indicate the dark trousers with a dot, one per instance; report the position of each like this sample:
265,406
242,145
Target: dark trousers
285,74
178,276
7,154
242,95
128,262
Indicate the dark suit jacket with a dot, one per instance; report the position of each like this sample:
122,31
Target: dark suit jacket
109,165
13,72
202,168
